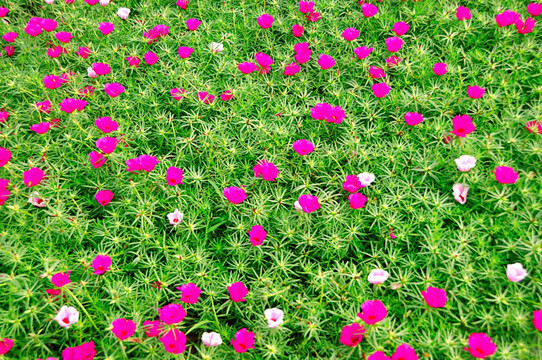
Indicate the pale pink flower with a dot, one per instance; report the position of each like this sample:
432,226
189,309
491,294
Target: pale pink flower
366,179
460,192
67,316
37,201
175,217
274,317
123,13
465,163
378,276
211,339
516,272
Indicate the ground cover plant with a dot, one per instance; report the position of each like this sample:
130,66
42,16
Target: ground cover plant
270,180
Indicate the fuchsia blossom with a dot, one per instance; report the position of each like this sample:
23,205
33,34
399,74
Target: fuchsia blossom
174,176
534,127
313,16
123,328
114,89
101,264
376,72
40,128
150,58
104,197
33,29
205,97
172,314
238,291
55,52
101,68
185,52
70,105
10,50
404,352
61,279
43,106
507,18
226,95
379,355
351,335
324,111
460,192
243,340
189,293
372,311
4,192
193,24
142,163
85,351
525,27
33,177
306,6
481,346
505,175
234,194
264,61
303,147
152,328
462,125
83,52
106,28
463,13
64,37
380,90
392,61
5,156
265,21
326,61
183,4
133,61
3,12
106,125
291,69
247,67
534,9
266,169
368,10
413,118
362,52
352,184
357,201
308,203
394,44
174,341
156,32
350,34
435,297
440,69
257,235
96,159
177,93
297,30
400,28
52,82
475,92
537,319
10,37
4,115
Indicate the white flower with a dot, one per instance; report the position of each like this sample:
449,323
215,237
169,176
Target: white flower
274,317
211,339
465,162
175,217
378,276
92,73
123,13
36,200
460,193
216,47
67,316
516,272
366,179
104,2
297,206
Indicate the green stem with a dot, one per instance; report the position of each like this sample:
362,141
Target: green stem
83,308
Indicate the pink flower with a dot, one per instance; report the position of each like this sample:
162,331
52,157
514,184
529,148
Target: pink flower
357,200
238,291
63,37
5,156
308,203
101,68
10,50
247,67
362,52
189,293
156,32
107,144
177,93
267,170
142,163
10,37
185,52
303,53
52,82
67,316
257,235
379,355
40,128
175,217
350,34
463,13
326,62
274,317
465,163
394,44
96,159
33,29
516,272
226,95
413,118
303,147
104,197
234,194
243,341
306,6
380,90
36,200
505,175
211,339
507,18
537,320
264,61
378,276
151,58
70,105
106,28
123,328
321,111
534,9
44,107
376,72
33,176
404,352
481,346
205,97
352,184
462,125
435,297
525,27
133,61
297,30
193,24
369,10
152,328
351,335
106,125
265,21
114,89
101,264
4,192
172,314
3,13
55,52
440,69
123,13
460,192
400,28
292,69
372,311
83,52
61,279
475,92
85,351
174,176
4,115
392,61
183,4
174,341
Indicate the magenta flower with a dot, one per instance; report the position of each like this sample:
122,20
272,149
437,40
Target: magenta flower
33,176
106,125
463,125
234,194
351,335
83,52
64,37
33,29
174,176
413,118
52,82
481,346
107,144
257,235
306,6
350,34
475,92
101,264
142,163
4,115
247,67
297,30
303,53
392,61
440,69
4,192
357,201
10,50
40,128
183,4
5,344
376,72
352,184
5,156
226,95
265,21
70,105
505,175
61,279
48,25
372,311
10,37
96,159
537,319
133,61
264,61
85,351
267,170
321,111
123,328
155,33
362,52
404,352
380,90
152,328
189,293
400,28
534,9
243,340
394,44
463,13
369,10
303,147
43,106
525,27
379,355
3,12
106,28
326,61
101,68
185,52
308,203
174,341
193,24
114,89
177,93
205,97
238,291
172,314
507,18
104,197
291,69
150,58
435,297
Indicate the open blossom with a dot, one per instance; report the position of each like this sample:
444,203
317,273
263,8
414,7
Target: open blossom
525,27
123,328
400,28
205,97
85,351
435,297
404,351
534,9
106,28
174,341
64,37
516,272
362,52
350,34
36,200
352,184
106,125
101,68
183,4
264,61
506,175
265,21
104,197
70,105
83,52
378,276
463,125
481,346
257,235
60,279
193,24
392,61
394,44
189,293
174,176
537,320
150,58
351,335
326,61
67,316
101,264
306,6
297,30
308,203
291,69
243,341
460,192
266,169
4,192
465,163
33,176
275,317
366,179
133,61
247,67
107,144
52,82
172,314
114,89
238,291
5,156
376,72
357,201
302,52
369,10
123,13
379,355
96,159
413,118
475,92
372,311
226,95
234,194
175,217
380,90
507,18
185,52
440,69
152,328
303,147
142,163
463,13
177,93
211,339
41,128
216,47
